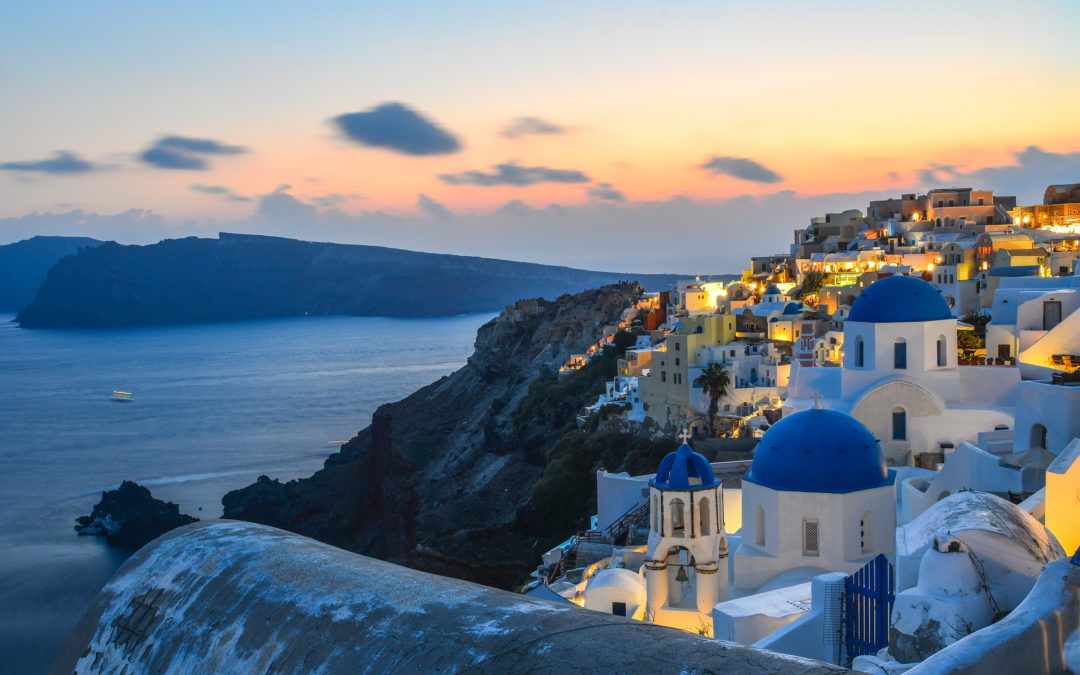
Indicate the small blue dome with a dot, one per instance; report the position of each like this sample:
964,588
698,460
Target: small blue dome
818,450
899,299
793,308
684,469
772,290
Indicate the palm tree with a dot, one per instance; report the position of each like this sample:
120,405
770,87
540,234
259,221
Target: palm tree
714,381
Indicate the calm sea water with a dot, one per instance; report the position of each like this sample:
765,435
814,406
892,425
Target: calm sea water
215,405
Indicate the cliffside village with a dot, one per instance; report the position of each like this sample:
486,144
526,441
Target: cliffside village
911,376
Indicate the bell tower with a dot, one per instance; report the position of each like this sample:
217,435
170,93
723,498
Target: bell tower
686,567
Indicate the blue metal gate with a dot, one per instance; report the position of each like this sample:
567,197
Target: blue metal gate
868,602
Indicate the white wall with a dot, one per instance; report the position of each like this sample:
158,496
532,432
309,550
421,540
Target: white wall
748,619
967,468
839,515
616,493
806,636
920,336
1055,407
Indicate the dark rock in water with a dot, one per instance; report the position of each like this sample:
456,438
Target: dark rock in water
130,516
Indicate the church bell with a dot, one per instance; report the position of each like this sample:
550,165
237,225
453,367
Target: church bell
681,576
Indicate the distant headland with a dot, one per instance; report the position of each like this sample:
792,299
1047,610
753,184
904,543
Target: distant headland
238,277
24,264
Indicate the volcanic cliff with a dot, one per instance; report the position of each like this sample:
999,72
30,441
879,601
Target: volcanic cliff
472,475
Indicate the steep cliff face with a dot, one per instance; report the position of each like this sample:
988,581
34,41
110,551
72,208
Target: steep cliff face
443,480
248,277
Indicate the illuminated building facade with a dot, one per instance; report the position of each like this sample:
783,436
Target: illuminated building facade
1059,212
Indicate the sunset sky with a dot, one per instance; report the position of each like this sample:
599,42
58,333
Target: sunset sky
616,135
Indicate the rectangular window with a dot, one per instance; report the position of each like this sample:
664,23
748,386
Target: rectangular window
1003,351
618,608
676,346
663,376
899,425
900,355
676,360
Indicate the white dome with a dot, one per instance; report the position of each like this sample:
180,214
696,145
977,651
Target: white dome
615,585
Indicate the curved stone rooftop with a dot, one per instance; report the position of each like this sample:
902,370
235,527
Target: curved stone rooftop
223,596
818,450
684,469
969,510
899,299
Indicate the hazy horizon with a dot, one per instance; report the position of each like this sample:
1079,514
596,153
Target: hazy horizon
607,136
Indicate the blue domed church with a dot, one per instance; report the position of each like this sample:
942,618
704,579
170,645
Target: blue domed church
818,498
901,378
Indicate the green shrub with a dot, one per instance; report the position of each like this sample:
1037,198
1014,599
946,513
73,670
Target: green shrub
566,492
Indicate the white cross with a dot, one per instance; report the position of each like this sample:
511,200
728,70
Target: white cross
817,399
685,435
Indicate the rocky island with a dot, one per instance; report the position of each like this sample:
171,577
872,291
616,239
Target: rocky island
238,277
130,516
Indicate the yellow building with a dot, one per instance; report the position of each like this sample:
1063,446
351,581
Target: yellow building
963,207
665,393
1063,497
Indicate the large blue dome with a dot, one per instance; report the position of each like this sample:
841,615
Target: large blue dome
899,299
818,450
772,289
684,469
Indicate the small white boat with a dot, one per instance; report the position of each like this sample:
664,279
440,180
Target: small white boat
124,396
